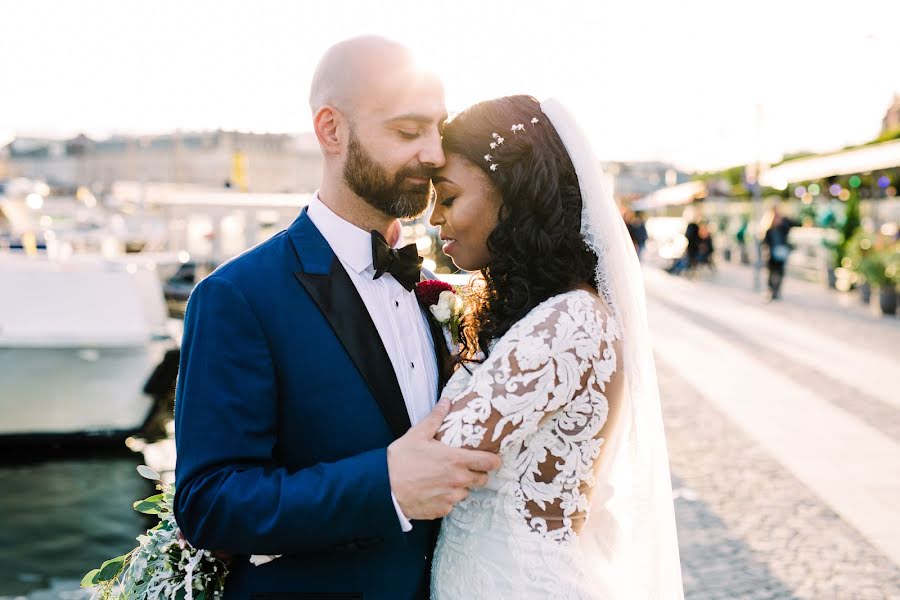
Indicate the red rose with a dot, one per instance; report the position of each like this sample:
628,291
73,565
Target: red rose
428,292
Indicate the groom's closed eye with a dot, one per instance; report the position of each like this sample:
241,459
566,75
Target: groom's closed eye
409,135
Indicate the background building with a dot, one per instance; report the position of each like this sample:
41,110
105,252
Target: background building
265,163
633,180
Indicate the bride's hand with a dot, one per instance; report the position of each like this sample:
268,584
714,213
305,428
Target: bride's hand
428,477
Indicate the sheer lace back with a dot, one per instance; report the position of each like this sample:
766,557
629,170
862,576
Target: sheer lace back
541,401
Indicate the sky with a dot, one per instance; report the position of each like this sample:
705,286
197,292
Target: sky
702,84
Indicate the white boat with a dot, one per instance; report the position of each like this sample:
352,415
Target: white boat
79,341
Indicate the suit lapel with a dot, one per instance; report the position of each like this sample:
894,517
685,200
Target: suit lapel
328,284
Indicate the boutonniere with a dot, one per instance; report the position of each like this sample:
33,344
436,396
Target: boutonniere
444,303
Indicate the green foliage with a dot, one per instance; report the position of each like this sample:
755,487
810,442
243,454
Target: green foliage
892,265
875,258
91,579
848,227
735,175
149,506
163,565
858,247
886,136
807,213
112,567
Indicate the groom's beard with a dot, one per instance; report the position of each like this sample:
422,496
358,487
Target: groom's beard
394,196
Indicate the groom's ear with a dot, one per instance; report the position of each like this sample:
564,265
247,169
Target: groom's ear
327,124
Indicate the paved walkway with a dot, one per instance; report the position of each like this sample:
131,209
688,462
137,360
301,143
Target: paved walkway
784,438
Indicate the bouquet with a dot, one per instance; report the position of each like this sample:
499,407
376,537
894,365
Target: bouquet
163,565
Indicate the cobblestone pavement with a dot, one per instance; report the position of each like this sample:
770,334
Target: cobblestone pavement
748,527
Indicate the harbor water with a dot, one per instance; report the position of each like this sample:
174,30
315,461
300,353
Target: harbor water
62,516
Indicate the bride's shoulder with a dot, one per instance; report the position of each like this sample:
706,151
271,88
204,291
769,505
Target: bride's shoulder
578,306
577,300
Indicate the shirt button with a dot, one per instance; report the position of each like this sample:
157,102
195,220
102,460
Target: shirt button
397,303
412,365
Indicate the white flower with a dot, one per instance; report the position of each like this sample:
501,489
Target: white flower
488,157
449,305
517,127
441,313
534,120
499,140
493,145
445,307
494,135
458,304
447,298
494,167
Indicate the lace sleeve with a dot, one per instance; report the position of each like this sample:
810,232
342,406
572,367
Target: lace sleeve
560,356
545,385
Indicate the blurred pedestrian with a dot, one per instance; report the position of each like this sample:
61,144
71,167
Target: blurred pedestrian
698,251
704,251
637,229
775,228
692,235
740,237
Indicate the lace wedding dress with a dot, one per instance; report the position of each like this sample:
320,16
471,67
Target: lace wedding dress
540,400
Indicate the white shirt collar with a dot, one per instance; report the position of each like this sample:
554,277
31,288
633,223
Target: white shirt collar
350,244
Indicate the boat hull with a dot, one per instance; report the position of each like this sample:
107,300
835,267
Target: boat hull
86,392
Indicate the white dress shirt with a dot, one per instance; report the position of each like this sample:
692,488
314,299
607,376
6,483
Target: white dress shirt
400,322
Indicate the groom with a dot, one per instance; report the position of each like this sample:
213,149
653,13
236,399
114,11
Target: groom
306,360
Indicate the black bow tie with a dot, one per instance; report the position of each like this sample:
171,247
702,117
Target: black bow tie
404,263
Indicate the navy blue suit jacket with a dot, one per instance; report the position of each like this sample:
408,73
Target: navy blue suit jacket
285,405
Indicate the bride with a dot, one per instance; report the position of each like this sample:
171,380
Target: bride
559,380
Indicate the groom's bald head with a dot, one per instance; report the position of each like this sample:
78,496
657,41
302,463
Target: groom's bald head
350,69
378,117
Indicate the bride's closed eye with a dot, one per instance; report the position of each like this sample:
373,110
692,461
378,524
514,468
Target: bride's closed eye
448,202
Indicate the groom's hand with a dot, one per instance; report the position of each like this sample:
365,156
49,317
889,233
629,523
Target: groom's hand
428,477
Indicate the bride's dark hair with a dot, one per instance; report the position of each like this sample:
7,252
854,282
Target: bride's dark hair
536,250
